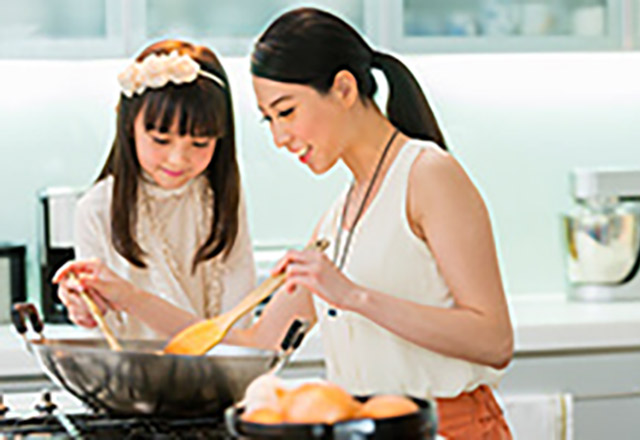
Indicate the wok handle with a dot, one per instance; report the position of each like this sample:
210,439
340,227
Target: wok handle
291,341
18,313
294,335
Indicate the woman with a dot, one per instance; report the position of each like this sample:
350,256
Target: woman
409,295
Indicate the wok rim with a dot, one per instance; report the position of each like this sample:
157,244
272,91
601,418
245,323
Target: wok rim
77,345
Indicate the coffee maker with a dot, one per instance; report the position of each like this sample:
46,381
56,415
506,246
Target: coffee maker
602,237
57,209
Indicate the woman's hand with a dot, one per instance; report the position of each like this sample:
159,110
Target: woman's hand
313,269
108,290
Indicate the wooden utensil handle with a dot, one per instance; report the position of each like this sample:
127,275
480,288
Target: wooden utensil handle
98,317
268,286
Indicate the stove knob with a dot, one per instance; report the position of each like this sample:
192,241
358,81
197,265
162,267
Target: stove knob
46,405
3,408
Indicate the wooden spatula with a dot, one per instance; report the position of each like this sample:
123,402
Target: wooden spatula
97,316
199,338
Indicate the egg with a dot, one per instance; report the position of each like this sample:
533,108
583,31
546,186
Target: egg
384,406
264,415
264,391
318,403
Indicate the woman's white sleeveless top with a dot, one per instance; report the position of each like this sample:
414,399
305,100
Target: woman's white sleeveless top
386,256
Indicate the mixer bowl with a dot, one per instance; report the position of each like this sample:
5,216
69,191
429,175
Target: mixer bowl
601,246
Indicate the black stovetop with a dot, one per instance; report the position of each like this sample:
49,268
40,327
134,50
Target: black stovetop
95,426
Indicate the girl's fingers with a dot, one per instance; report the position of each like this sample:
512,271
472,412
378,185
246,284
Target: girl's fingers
101,292
83,320
94,284
100,302
76,309
89,266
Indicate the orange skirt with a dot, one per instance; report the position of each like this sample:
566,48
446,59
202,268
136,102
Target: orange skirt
472,415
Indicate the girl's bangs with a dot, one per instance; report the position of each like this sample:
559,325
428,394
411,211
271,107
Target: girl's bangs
199,112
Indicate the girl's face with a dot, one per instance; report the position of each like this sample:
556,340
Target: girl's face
169,158
303,121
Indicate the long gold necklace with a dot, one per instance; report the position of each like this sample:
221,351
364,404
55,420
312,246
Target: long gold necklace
343,258
212,273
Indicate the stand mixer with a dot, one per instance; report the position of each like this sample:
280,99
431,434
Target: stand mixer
602,236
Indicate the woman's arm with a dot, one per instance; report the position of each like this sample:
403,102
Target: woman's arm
276,318
283,308
445,209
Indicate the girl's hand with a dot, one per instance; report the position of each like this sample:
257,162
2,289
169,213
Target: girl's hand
314,270
76,308
108,290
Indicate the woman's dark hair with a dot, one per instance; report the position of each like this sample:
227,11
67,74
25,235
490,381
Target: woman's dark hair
203,108
309,46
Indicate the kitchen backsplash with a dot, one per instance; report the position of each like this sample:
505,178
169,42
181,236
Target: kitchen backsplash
517,122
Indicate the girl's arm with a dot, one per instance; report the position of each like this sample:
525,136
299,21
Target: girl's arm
90,241
112,291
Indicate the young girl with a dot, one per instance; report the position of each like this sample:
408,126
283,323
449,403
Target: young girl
166,212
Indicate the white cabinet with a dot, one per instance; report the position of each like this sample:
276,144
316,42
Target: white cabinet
119,28
62,29
604,385
229,27
508,25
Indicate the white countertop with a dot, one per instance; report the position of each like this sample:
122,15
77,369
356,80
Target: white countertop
543,323
550,323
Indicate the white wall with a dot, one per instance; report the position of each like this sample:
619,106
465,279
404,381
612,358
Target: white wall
518,123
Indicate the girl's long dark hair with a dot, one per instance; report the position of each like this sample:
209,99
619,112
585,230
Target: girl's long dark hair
309,46
203,108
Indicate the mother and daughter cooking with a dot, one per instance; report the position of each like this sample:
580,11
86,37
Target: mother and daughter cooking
408,295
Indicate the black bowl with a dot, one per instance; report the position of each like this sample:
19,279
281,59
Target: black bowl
420,425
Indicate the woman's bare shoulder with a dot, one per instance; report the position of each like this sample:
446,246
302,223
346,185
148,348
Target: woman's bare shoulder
437,179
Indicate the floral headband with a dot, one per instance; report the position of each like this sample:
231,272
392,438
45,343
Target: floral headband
156,71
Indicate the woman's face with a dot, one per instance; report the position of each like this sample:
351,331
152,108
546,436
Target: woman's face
302,120
169,158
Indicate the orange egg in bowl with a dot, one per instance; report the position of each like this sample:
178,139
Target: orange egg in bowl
266,416
385,406
318,403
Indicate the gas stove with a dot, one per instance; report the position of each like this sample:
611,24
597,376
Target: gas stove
58,415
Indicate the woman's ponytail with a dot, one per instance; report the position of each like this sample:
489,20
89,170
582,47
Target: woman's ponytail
407,107
309,46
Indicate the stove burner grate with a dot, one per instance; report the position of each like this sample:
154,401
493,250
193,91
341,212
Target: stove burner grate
89,426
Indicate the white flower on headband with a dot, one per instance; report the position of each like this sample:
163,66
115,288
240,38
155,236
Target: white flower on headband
156,71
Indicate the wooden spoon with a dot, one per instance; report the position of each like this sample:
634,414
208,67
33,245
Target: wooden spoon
97,316
200,337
